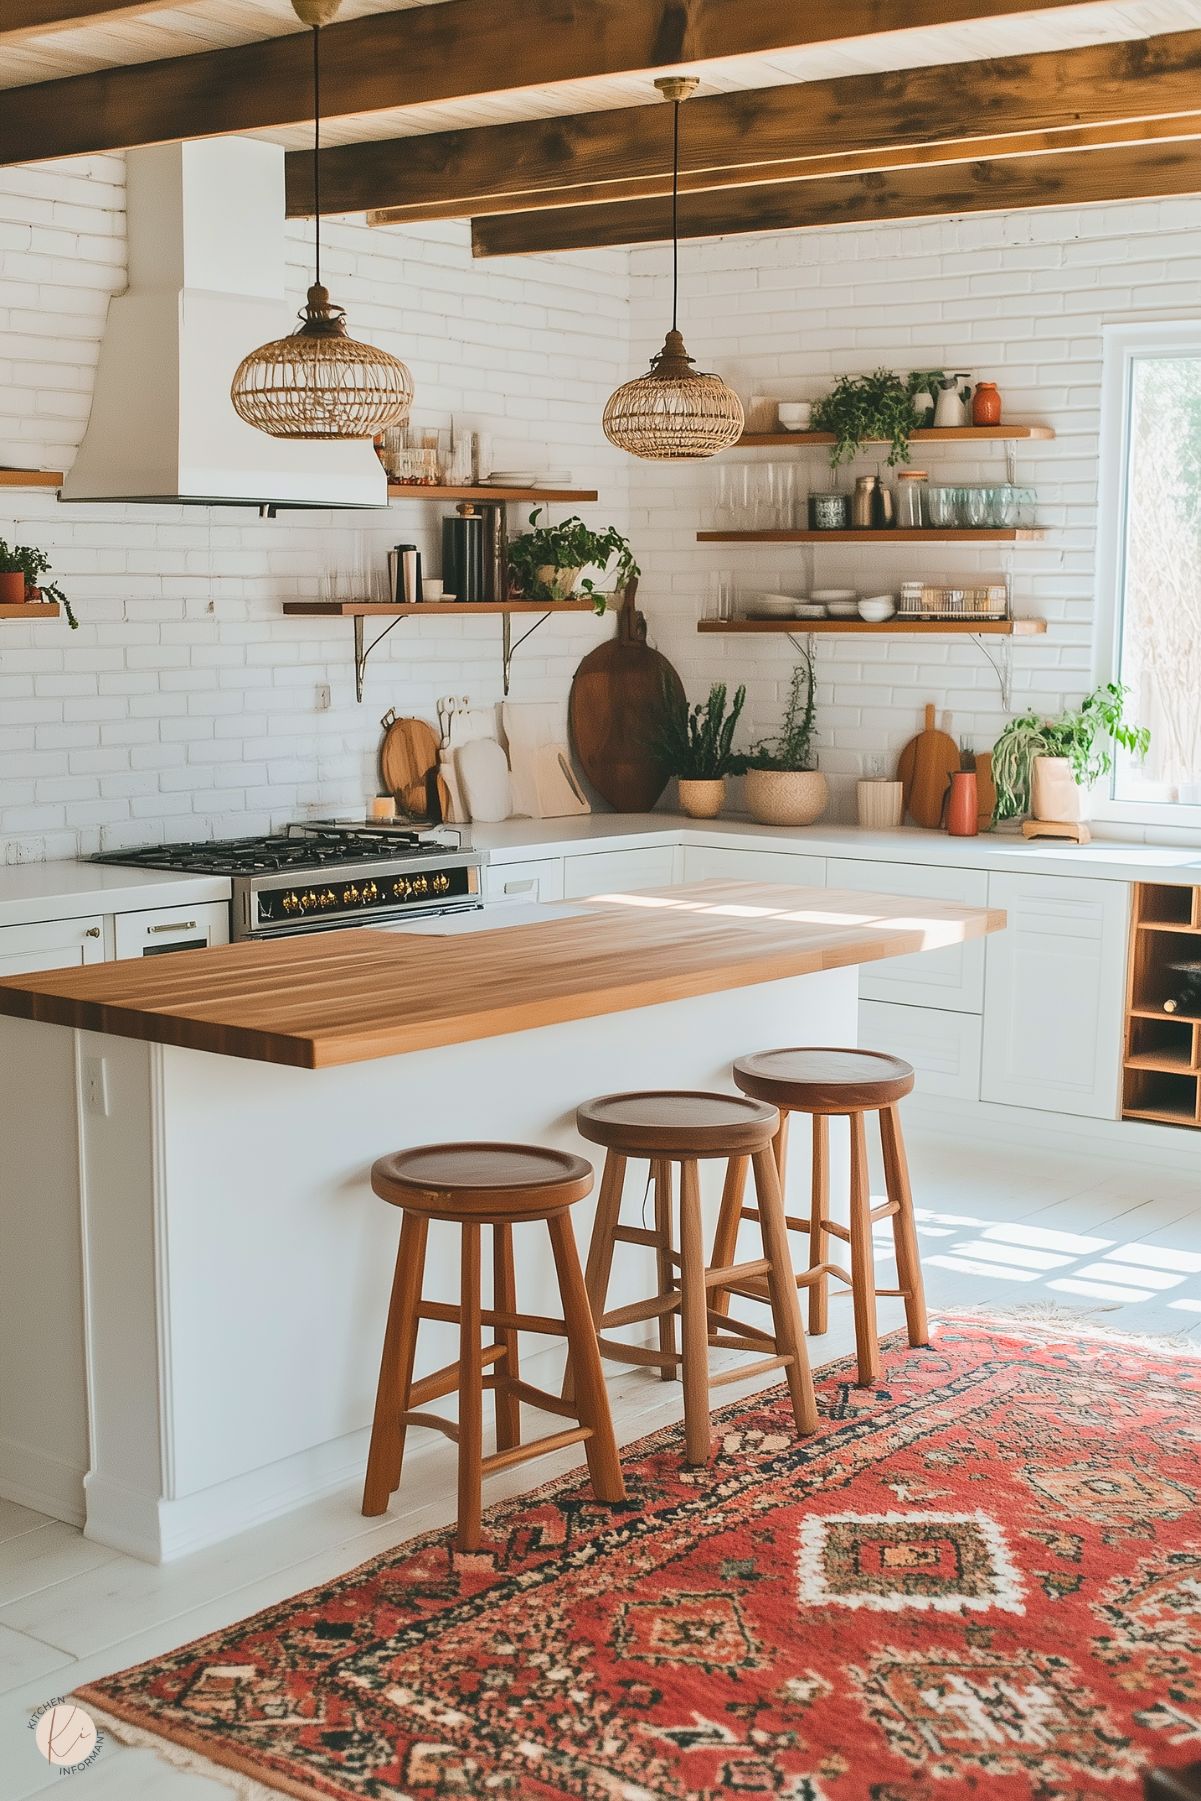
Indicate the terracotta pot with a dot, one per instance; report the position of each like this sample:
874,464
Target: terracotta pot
558,583
963,805
12,588
1055,793
986,404
786,796
702,800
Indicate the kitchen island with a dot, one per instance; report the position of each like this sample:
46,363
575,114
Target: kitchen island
193,1269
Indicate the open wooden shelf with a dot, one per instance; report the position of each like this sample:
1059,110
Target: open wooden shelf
993,628
927,534
416,491
379,609
37,609
31,478
924,434
1161,1060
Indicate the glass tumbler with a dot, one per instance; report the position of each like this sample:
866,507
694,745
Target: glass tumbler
977,505
942,507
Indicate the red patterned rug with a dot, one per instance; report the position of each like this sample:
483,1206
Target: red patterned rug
983,1578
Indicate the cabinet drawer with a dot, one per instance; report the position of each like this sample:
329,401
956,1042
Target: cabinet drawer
51,944
161,929
718,862
952,978
619,871
540,880
943,1047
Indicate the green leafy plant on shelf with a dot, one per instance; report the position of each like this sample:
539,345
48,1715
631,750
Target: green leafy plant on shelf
697,743
860,408
1083,735
548,562
792,746
34,565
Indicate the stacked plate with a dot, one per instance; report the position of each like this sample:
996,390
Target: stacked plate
527,478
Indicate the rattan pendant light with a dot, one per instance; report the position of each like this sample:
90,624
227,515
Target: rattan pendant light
674,412
320,383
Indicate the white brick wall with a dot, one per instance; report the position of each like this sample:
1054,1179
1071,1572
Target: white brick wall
185,706
1017,297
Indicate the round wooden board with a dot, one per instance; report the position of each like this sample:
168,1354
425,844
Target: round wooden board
616,694
408,761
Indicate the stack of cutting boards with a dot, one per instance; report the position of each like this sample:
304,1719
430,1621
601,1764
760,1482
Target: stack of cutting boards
924,770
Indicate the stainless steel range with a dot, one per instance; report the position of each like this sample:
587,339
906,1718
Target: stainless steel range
314,877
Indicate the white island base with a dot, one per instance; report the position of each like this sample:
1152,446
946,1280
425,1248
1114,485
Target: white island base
194,1272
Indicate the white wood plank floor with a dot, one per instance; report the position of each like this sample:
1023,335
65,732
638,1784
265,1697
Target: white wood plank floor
1121,1243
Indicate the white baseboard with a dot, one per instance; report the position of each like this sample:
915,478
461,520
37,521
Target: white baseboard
31,1478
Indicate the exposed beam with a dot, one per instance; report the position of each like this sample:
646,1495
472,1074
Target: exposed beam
34,18
437,53
1079,177
760,135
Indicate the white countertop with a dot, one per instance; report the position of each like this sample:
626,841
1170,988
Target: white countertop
32,892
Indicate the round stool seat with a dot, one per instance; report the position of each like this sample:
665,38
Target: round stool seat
457,1181
674,1123
821,1080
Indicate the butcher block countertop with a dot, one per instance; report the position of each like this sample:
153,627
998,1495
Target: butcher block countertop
345,997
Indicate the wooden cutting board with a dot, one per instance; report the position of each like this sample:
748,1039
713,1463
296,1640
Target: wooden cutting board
408,766
924,769
616,694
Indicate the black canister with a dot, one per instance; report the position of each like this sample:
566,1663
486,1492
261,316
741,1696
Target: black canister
463,553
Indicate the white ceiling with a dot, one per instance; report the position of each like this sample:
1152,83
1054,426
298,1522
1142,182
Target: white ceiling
208,24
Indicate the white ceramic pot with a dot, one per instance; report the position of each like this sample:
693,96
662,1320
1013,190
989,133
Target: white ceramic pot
560,584
702,800
786,796
1055,794
880,805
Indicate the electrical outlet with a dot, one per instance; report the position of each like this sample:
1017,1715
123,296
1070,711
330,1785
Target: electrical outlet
325,698
95,1079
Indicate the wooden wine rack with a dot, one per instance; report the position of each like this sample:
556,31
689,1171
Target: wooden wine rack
1161,1073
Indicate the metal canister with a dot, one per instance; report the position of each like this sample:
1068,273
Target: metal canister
463,553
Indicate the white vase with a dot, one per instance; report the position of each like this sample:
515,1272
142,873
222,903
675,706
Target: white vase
880,805
786,796
702,800
1055,794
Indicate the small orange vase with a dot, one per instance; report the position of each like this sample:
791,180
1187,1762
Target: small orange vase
986,404
963,805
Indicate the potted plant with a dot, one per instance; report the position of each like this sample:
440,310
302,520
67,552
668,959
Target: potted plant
862,407
1046,767
548,561
695,744
782,785
22,579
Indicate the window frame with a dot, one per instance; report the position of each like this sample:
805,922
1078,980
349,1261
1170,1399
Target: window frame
1122,346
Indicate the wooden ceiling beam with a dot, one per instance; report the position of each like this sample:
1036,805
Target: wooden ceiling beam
35,18
770,134
1075,178
437,53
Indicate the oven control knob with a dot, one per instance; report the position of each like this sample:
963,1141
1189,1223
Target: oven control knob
441,883
421,884
308,901
349,897
290,903
402,888
329,898
371,892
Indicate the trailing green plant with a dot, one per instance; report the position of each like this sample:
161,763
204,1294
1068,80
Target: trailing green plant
862,407
792,746
34,565
1082,735
696,743
927,379
569,545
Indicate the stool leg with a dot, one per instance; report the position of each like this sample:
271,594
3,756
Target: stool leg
694,1320
863,1263
601,1247
661,1175
471,1393
396,1368
729,1218
604,1465
504,1299
904,1231
785,1305
819,1293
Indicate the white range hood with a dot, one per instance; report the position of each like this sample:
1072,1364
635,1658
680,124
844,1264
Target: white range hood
206,285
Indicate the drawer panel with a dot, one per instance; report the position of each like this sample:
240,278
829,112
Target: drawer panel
619,871
540,879
952,978
720,862
943,1047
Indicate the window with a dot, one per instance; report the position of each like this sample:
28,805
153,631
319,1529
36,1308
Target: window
1150,559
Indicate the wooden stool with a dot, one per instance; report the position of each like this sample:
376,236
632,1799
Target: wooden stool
474,1185
669,1129
822,1082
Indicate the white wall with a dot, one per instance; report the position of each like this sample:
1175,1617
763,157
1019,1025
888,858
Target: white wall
1017,297
185,706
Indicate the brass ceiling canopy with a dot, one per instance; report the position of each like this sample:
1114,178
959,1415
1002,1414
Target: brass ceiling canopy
675,412
320,383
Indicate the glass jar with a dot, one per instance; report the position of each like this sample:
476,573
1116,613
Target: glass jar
829,511
912,485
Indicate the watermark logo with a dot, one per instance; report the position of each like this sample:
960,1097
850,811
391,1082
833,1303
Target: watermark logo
66,1736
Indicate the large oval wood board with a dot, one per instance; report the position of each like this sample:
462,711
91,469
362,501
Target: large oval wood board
616,696
408,766
924,769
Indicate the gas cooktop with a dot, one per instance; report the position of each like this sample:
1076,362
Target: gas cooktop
301,847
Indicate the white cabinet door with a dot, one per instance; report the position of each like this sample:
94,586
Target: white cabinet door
619,871
154,932
538,880
719,862
943,1047
1053,994
953,977
51,944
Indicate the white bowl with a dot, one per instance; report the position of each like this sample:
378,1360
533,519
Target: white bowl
795,415
842,609
826,595
772,606
877,609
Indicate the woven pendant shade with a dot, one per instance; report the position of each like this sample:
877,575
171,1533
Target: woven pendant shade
320,383
675,412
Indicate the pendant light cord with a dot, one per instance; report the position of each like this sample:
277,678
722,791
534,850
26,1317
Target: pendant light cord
675,209
317,149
